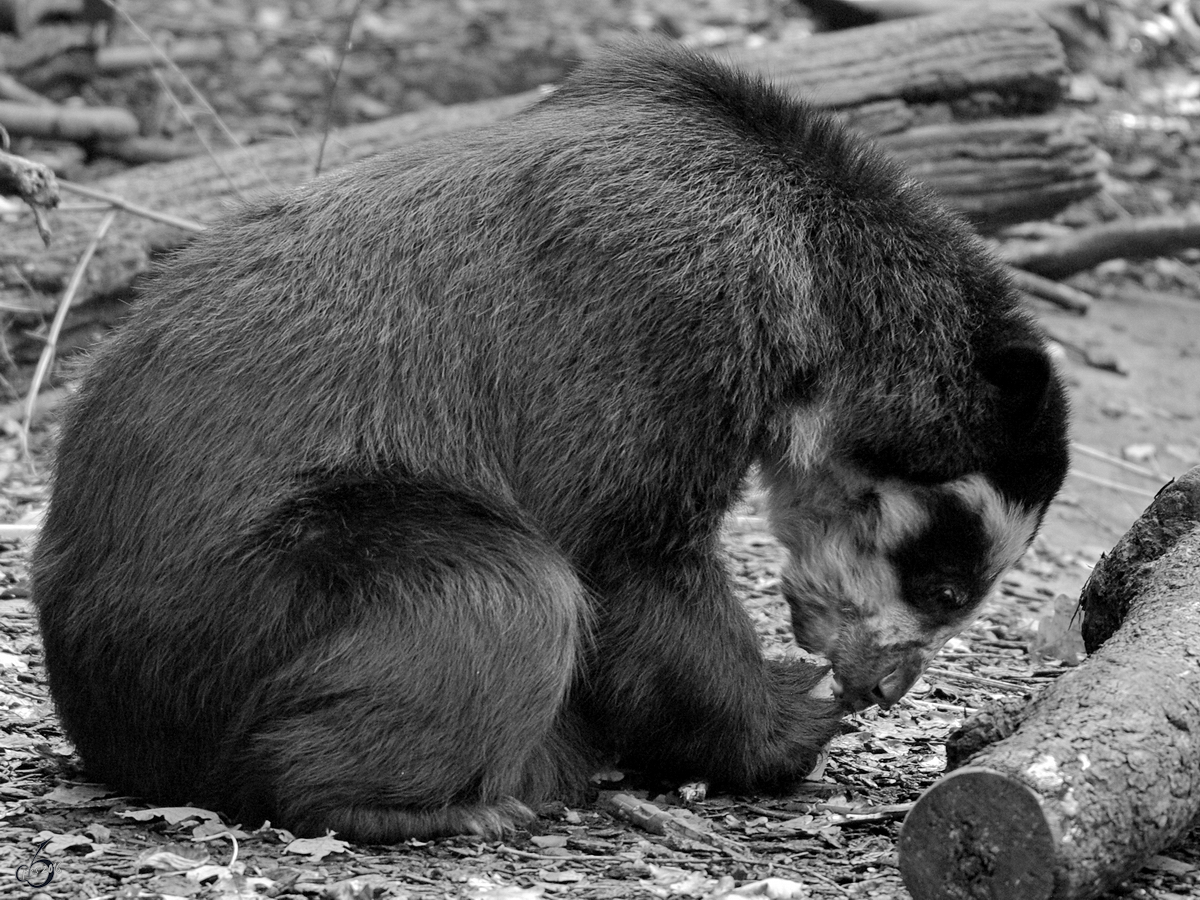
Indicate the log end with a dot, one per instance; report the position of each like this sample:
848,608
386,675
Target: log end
977,835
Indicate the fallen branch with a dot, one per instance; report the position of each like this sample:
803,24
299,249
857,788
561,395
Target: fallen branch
1102,770
679,826
46,360
1125,239
32,182
152,215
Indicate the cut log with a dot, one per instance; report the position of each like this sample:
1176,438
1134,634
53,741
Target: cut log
1045,164
902,9
82,124
1103,769
939,57
1002,171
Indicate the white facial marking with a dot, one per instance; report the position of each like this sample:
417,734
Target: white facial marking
1009,527
843,529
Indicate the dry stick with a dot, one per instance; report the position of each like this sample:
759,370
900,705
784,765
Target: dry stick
967,678
47,356
170,64
135,209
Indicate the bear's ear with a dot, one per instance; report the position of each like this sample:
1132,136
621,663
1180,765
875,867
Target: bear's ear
1021,374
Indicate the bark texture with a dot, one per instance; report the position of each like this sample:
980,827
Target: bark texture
1103,769
1117,581
926,58
1001,171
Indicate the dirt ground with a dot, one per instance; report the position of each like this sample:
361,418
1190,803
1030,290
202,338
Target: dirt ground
1136,421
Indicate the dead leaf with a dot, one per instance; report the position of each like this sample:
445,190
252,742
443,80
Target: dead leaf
173,815
317,849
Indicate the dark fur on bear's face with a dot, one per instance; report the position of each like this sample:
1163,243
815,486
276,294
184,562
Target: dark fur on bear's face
395,506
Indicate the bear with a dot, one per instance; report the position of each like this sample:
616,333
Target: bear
394,507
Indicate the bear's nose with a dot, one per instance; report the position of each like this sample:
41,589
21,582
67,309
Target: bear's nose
895,685
885,692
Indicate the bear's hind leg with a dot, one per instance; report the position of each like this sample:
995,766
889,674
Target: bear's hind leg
433,704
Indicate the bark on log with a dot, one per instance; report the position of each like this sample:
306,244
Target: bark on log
937,53
903,9
1116,582
1002,171
1103,769
927,58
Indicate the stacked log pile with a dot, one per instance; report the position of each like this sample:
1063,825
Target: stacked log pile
938,91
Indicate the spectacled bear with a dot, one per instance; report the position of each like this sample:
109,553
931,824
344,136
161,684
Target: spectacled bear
395,505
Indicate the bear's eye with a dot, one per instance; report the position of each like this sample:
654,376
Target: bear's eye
947,596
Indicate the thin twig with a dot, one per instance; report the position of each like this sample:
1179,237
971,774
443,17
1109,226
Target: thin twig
47,357
187,118
1116,461
135,209
337,75
1112,485
179,73
967,678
